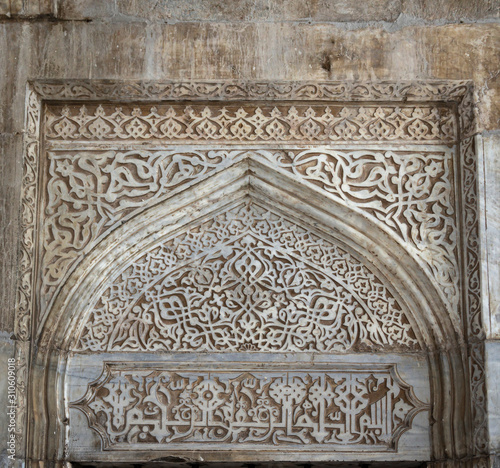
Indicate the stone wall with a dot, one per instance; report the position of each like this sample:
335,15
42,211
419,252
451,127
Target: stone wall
251,40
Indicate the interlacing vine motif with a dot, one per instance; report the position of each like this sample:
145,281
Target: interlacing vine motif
475,329
128,91
300,123
162,409
89,192
230,90
247,280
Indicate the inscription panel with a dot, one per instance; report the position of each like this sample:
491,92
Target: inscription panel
330,407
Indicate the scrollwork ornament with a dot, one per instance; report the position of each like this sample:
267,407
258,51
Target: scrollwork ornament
411,193
248,280
473,317
238,90
24,296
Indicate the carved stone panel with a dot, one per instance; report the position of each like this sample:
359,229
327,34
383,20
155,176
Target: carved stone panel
408,192
355,408
275,122
256,320
247,280
336,407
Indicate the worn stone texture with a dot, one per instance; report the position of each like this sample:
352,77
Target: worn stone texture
249,40
491,236
276,51
389,11
493,369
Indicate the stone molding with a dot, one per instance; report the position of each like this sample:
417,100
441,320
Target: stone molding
400,91
457,94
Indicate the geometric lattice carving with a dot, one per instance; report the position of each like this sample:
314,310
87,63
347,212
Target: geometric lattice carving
296,123
248,279
159,408
90,192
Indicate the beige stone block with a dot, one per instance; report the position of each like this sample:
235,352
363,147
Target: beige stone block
6,352
349,11
4,7
491,233
452,10
261,10
10,170
85,9
16,7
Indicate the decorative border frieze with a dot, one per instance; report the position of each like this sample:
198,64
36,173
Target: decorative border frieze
445,91
472,278
25,291
278,122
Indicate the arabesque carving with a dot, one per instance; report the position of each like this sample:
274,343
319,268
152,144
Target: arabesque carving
347,409
249,279
456,93
473,315
281,122
340,91
90,192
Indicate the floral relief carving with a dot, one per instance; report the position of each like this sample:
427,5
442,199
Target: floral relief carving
354,409
448,91
473,315
72,90
283,122
247,280
409,192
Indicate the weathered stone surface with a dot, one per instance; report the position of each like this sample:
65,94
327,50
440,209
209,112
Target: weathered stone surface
6,352
316,40
452,10
253,11
491,227
10,170
321,11
493,370
251,51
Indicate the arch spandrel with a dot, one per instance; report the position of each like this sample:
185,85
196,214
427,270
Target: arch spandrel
408,193
324,216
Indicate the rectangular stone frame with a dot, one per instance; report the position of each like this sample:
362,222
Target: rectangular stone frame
459,94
